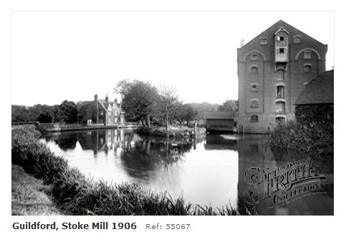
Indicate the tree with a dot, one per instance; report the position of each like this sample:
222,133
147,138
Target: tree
229,106
185,112
201,108
45,118
138,98
166,103
67,111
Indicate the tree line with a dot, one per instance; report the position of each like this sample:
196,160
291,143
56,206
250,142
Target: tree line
65,112
141,102
148,104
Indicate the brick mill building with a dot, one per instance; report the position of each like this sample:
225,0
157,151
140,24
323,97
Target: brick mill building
273,69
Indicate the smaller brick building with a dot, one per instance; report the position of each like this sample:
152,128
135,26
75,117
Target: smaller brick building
315,105
100,111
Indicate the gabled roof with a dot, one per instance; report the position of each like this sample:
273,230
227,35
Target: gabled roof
318,91
84,106
275,27
103,104
219,115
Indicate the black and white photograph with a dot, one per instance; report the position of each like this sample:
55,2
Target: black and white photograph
170,114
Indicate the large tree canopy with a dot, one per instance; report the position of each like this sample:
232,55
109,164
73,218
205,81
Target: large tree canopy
138,98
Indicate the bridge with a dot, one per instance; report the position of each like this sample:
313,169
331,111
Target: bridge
221,121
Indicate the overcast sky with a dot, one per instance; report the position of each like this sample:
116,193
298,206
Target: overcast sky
59,56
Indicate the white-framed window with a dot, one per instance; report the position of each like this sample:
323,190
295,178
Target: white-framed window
280,38
281,50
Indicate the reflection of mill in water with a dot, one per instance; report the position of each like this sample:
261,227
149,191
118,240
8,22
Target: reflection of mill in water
253,153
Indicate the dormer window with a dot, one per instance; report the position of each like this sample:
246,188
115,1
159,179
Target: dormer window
281,45
280,38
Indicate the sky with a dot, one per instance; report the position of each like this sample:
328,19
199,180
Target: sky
57,56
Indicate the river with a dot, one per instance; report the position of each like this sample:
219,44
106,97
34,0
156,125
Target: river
218,170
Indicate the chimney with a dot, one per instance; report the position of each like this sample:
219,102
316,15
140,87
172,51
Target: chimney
95,97
106,99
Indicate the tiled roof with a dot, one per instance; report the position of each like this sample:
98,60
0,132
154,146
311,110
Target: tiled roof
84,107
272,29
319,90
103,104
219,115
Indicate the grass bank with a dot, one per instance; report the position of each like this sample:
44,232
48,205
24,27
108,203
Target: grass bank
311,139
76,195
30,196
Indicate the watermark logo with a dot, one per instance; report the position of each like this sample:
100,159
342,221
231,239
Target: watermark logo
282,185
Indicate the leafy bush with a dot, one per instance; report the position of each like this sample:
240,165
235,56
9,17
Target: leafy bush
309,137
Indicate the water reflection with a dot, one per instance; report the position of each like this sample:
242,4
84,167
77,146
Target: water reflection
209,172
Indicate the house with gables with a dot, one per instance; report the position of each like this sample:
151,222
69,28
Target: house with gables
100,111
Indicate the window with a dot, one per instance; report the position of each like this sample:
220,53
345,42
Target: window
297,39
254,69
280,120
307,54
280,38
264,41
307,68
280,75
254,87
281,50
254,103
254,119
280,107
280,92
254,56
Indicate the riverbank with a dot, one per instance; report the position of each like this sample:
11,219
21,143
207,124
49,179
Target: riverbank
178,132
30,196
57,127
76,195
